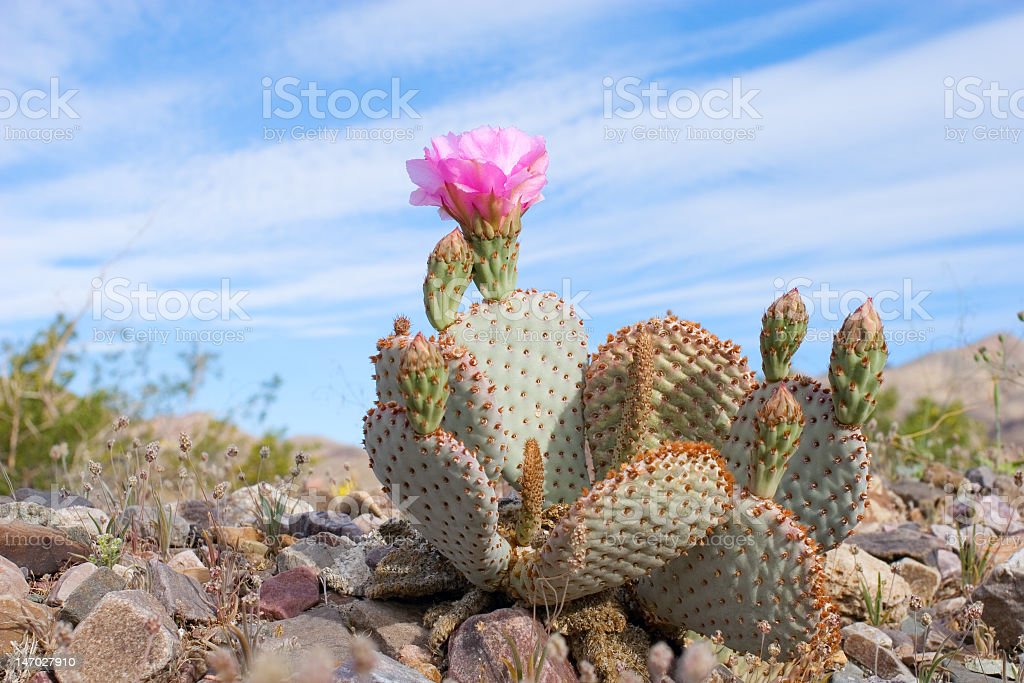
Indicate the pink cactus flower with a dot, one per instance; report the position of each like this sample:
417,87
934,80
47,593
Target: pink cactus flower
483,174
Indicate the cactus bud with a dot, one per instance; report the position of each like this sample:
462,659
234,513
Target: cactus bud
423,380
859,353
779,423
449,271
782,329
633,433
531,487
402,326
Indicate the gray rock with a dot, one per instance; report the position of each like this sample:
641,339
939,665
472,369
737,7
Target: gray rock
52,498
89,593
851,673
127,638
1002,593
312,523
923,580
75,525
898,543
68,583
917,494
322,627
983,476
340,561
392,625
148,522
181,595
386,670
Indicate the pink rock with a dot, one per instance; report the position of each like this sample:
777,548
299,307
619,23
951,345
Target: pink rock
478,648
290,593
12,581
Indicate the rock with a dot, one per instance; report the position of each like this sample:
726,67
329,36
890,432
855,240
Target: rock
127,638
414,569
40,549
947,563
843,583
88,519
367,522
1002,593
12,580
923,580
375,555
186,559
147,522
41,677
392,625
68,583
312,523
990,511
917,494
941,476
52,498
290,593
181,596
235,535
386,670
871,648
78,528
902,542
416,657
340,561
200,574
478,647
983,477
322,627
246,501
81,601
850,673
198,514
883,506
20,616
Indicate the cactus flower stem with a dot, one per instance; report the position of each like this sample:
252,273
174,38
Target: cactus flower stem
423,381
531,487
449,272
859,353
637,403
778,423
783,328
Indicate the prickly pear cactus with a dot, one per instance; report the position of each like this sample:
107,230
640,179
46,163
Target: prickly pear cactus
712,497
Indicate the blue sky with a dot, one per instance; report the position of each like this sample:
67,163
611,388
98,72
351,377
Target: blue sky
849,175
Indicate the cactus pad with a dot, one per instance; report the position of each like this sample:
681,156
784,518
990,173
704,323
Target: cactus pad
826,479
699,383
638,518
533,348
444,492
759,565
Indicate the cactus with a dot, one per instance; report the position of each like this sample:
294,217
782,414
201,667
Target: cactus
712,497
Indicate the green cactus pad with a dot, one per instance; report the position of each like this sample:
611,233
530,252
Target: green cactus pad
825,483
638,518
759,565
533,348
472,414
438,483
698,385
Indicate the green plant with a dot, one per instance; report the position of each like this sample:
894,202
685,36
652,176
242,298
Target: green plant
107,550
714,496
874,600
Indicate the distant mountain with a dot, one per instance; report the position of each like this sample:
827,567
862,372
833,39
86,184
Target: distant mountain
951,375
